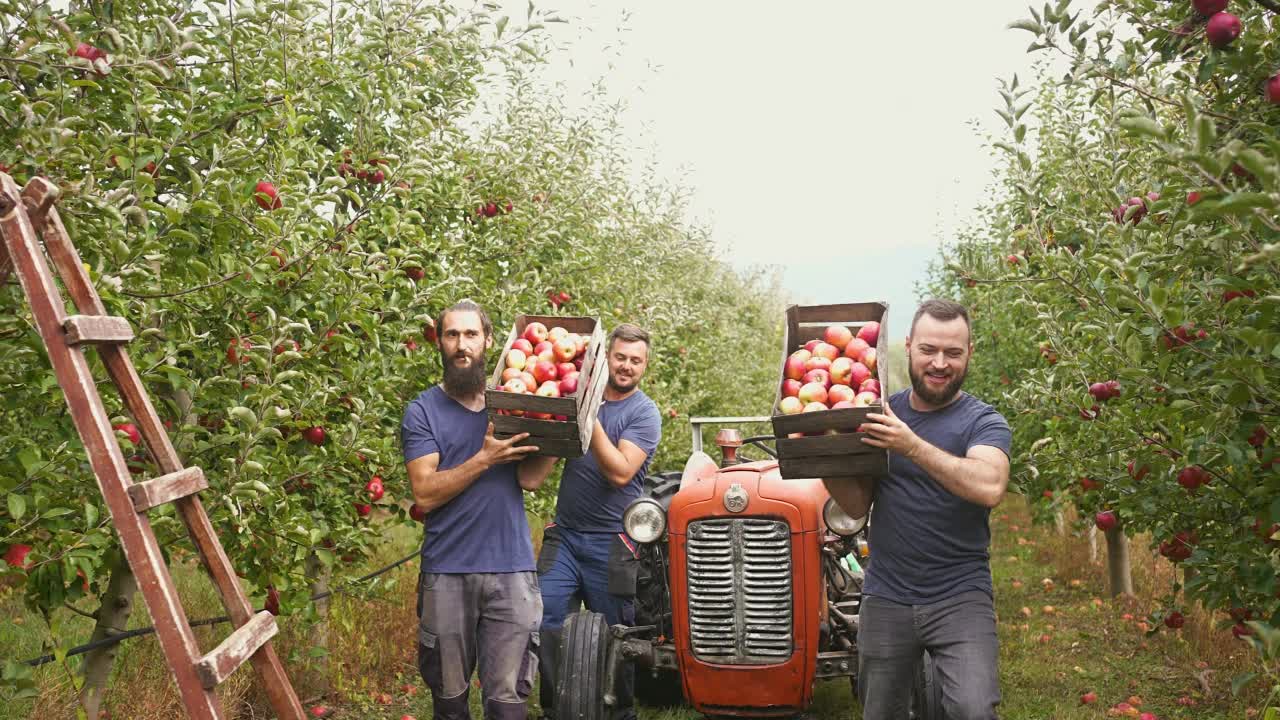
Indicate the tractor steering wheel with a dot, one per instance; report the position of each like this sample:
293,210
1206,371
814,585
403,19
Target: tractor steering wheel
759,441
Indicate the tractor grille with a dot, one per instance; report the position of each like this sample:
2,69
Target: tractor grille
740,590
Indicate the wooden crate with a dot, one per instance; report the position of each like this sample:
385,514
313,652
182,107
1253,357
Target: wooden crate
820,454
567,439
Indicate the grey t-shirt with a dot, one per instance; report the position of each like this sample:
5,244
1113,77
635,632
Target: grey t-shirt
927,544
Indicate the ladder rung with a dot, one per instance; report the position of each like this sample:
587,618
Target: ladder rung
97,329
235,650
167,488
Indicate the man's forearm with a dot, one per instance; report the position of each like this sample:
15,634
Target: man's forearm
532,472
612,463
432,490
965,477
852,494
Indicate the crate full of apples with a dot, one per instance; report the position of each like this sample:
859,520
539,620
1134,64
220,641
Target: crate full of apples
833,375
549,382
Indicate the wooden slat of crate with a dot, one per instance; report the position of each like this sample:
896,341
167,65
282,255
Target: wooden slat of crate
593,396
500,400
833,466
826,445
508,425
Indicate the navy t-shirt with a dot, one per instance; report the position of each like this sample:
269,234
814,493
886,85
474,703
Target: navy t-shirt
483,529
588,502
926,543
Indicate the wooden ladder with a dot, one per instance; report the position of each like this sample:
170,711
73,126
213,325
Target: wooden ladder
22,214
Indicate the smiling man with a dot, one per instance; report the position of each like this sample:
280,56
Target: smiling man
478,599
586,558
928,585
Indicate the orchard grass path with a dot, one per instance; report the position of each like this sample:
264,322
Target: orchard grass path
1060,637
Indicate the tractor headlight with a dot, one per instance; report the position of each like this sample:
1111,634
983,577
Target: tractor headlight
839,522
644,520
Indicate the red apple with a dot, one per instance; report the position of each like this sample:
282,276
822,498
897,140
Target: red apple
556,333
1273,89
1174,620
565,348
516,385
417,513
314,435
841,393
790,405
510,373
790,387
869,357
516,359
1106,520
869,333
130,430
563,369
870,385
817,376
264,193
813,392
1222,30
1193,197
568,383
809,346
523,345
535,332
818,362
1209,8
815,407
545,350
363,509
842,405
544,371
794,368
235,354
374,488
1013,259
1089,698
16,556
550,388
826,350
863,399
859,373
855,348
429,331
838,336
1088,484
841,371
1192,477
1137,473
530,382
272,604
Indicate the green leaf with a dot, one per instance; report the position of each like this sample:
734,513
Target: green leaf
1239,682
1142,125
17,506
1030,26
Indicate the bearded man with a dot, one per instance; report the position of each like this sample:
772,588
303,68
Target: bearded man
478,597
928,584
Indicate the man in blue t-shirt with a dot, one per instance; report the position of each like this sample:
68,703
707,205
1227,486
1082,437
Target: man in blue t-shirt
586,557
478,600
928,585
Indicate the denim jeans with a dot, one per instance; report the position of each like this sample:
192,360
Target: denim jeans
959,633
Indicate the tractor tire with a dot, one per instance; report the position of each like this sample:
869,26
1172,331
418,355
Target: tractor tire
580,680
926,693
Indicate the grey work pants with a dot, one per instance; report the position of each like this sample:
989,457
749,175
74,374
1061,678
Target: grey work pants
959,633
488,620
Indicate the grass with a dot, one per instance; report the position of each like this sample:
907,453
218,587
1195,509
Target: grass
1058,640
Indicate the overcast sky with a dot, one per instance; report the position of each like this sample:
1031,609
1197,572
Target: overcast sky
833,139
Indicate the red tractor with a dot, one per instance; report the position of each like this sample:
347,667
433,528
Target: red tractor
748,594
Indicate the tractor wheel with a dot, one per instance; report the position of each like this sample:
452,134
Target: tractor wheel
584,652
926,693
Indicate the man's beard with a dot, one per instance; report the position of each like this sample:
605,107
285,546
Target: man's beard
941,396
463,381
620,389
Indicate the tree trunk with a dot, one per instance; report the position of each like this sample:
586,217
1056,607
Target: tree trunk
1118,562
1060,521
113,619
1093,544
319,575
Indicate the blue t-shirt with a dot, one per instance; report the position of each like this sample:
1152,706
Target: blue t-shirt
588,502
926,543
483,529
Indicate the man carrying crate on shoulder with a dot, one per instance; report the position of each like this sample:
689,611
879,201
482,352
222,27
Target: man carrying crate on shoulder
586,557
478,598
928,585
